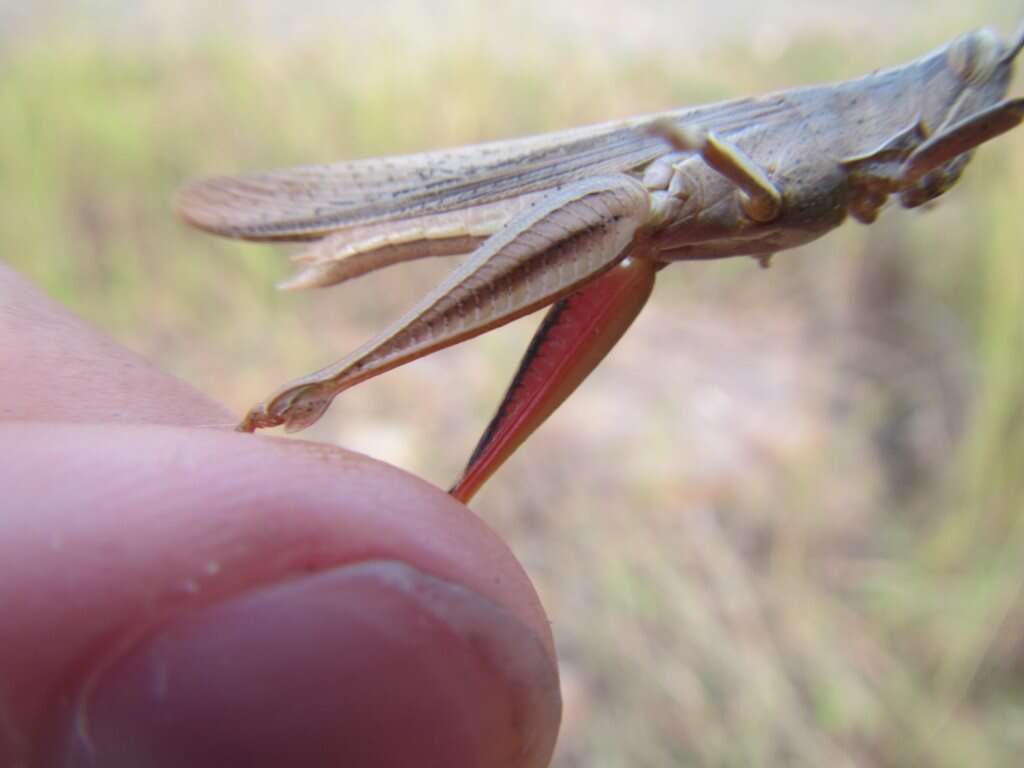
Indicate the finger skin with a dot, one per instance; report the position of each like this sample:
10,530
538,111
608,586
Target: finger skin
119,528
53,367
367,665
162,521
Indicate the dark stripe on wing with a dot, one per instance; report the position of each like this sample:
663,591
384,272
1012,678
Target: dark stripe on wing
311,201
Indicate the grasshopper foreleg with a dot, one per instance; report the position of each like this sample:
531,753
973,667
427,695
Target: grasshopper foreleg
960,138
873,176
761,199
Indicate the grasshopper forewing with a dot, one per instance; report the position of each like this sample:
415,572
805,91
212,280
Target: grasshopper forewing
583,219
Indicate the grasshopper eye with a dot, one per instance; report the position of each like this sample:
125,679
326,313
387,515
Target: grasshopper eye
975,56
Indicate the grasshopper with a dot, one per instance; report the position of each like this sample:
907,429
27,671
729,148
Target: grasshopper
583,219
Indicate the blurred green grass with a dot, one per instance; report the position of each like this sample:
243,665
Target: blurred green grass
782,525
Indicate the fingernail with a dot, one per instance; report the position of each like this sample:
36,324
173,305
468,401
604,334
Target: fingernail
375,664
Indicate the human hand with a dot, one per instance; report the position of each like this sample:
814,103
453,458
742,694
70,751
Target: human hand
178,595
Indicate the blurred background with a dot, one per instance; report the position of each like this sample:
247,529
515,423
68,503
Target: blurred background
783,524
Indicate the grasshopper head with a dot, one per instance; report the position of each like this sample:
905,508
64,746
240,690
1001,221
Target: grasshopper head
978,71
963,106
